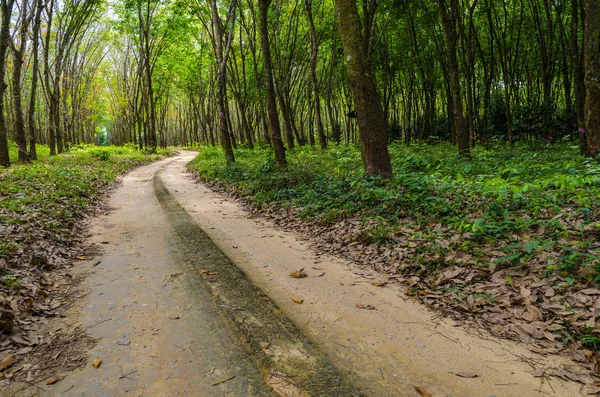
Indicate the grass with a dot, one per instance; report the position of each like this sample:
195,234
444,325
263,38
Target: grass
43,151
48,196
521,200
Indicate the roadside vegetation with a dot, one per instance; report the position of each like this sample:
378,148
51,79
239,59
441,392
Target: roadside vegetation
509,239
41,208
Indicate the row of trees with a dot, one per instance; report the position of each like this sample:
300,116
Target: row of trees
295,72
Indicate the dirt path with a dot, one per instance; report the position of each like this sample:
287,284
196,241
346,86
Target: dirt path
174,316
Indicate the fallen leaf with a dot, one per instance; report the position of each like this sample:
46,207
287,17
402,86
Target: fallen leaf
174,317
379,284
298,274
320,274
297,299
7,361
366,307
423,392
466,374
96,363
265,345
55,379
538,373
277,311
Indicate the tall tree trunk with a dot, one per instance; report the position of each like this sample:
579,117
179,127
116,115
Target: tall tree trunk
6,7
221,55
34,78
314,51
18,50
369,112
449,21
263,8
592,77
578,76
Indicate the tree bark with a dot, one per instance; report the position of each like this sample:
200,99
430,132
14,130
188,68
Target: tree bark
34,78
18,50
578,76
6,7
369,112
263,8
314,51
592,77
449,20
221,54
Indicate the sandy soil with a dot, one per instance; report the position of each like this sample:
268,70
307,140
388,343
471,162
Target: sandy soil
173,314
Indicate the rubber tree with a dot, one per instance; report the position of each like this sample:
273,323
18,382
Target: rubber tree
6,7
449,18
369,112
274,126
314,51
19,45
221,50
592,77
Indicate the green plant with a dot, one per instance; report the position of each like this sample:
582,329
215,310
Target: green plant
11,281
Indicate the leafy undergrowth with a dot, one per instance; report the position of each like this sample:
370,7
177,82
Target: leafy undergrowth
509,240
41,205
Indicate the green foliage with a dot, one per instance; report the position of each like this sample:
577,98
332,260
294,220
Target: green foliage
11,281
57,191
499,195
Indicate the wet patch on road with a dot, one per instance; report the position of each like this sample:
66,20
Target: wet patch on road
271,340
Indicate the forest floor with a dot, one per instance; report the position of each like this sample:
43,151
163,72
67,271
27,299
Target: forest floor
168,312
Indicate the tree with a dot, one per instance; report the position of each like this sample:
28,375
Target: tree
314,51
369,112
592,77
274,126
35,69
19,46
6,7
449,21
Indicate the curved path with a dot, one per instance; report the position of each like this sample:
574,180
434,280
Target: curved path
174,315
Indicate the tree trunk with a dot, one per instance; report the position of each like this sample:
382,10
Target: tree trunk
369,112
34,78
592,77
263,8
6,7
18,50
578,76
449,21
314,50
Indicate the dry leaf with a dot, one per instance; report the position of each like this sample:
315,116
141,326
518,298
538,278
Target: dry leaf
366,307
423,392
265,345
297,299
205,271
298,274
466,374
538,373
7,361
320,274
379,284
277,311
55,379
96,363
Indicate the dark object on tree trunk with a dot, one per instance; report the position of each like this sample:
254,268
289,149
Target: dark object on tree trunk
351,114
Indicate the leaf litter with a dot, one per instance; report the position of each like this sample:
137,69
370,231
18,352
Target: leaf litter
504,287
42,231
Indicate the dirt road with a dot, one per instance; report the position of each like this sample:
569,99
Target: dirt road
192,296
